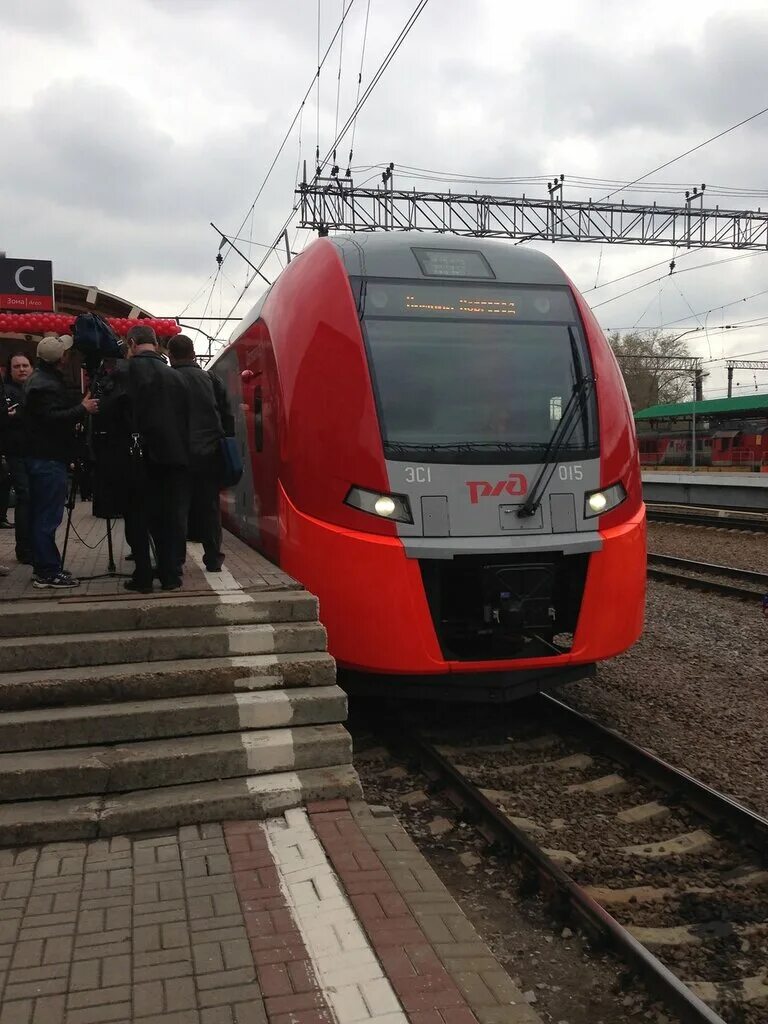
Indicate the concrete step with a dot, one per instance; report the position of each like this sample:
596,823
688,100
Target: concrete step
117,648
262,796
93,684
136,611
80,771
43,728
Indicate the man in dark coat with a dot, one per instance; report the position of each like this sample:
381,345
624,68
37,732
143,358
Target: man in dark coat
50,418
155,405
210,419
19,370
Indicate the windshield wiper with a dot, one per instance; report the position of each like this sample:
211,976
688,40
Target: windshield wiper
573,412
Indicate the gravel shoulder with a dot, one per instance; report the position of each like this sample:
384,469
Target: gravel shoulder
694,689
708,544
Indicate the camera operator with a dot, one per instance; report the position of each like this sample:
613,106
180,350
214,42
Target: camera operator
18,371
50,418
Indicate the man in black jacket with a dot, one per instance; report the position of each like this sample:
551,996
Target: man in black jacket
210,419
156,403
50,418
19,370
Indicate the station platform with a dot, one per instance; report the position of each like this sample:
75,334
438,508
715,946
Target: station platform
325,915
748,491
122,712
182,838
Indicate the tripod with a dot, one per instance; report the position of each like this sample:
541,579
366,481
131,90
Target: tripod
111,572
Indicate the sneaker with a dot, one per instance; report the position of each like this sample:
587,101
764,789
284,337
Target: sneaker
5,525
4,570
171,585
58,582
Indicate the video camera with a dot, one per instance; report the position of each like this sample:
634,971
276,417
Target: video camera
100,350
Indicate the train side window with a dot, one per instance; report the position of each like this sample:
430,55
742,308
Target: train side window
258,421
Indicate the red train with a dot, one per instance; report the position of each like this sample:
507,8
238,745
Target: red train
438,443
741,444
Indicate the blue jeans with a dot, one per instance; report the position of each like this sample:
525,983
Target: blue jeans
47,498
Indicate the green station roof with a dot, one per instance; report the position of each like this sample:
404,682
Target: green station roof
710,407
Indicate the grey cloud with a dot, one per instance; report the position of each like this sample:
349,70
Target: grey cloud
44,17
670,86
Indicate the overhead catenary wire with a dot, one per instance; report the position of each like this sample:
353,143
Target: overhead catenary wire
350,120
404,32
688,152
281,147
359,86
663,277
317,102
338,78
572,180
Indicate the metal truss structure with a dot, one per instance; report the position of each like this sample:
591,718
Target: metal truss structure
743,364
335,204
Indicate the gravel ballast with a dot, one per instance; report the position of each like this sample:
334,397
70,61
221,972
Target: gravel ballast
694,689
737,548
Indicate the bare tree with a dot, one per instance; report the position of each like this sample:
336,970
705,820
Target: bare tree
650,377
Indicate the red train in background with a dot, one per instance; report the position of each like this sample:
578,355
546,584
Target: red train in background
438,443
732,444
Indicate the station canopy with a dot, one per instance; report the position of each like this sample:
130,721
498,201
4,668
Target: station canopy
744,405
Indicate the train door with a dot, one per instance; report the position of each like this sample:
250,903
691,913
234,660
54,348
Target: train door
257,513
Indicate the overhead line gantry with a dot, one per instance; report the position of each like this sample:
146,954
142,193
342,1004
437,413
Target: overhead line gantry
336,204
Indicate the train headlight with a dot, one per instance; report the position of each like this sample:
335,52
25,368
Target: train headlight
386,506
604,500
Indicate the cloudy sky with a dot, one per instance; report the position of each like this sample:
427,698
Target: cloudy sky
129,125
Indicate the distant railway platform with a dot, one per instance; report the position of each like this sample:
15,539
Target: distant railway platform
716,490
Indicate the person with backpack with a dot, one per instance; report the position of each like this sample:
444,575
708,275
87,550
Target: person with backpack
211,420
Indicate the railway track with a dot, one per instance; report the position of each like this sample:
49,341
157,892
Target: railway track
706,576
646,859
721,518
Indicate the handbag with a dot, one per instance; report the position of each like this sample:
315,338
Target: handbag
231,463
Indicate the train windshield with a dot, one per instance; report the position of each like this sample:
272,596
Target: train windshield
475,373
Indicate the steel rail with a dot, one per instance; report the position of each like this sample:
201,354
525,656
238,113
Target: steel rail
746,575
495,825
726,519
572,898
707,586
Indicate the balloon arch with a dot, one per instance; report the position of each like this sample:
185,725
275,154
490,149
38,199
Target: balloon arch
63,323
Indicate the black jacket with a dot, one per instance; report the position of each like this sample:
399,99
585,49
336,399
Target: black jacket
223,404
205,421
51,414
159,408
13,430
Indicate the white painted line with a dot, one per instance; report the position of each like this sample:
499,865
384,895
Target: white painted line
345,965
259,639
223,582
266,709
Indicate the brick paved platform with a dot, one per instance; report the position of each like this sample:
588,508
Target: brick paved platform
328,915
87,555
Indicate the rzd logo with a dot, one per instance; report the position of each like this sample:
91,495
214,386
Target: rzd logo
516,485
